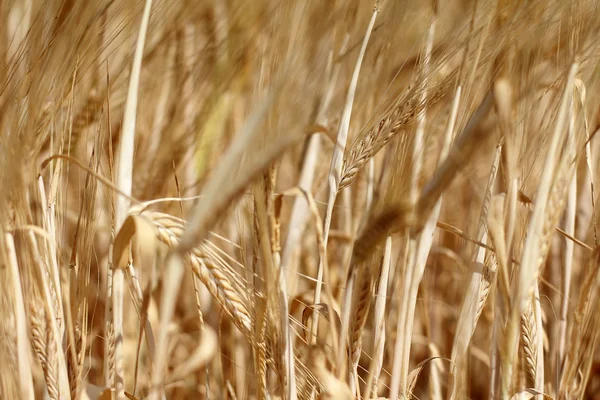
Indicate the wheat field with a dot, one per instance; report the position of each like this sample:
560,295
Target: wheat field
315,199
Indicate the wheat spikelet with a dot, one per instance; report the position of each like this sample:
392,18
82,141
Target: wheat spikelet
87,115
488,279
38,337
361,312
52,289
110,342
261,361
529,337
364,148
219,285
169,232
74,377
39,340
51,363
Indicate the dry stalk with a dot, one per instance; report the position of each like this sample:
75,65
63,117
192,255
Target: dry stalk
538,232
124,181
569,228
379,323
584,334
24,368
418,246
334,178
478,289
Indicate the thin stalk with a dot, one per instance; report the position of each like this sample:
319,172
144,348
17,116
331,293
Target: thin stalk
531,251
124,183
335,176
23,345
418,247
569,228
376,364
